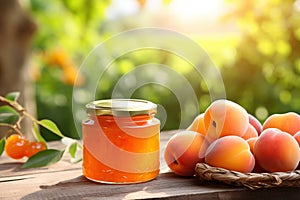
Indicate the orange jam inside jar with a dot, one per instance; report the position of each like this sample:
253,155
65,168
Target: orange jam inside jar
121,141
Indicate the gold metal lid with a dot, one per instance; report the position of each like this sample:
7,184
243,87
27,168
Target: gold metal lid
121,107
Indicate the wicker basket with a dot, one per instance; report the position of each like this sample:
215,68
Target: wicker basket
251,180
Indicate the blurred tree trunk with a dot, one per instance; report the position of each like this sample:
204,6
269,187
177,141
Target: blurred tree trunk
16,31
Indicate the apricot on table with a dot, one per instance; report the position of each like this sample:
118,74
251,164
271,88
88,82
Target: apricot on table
287,122
198,125
277,151
15,146
223,118
232,153
34,147
184,150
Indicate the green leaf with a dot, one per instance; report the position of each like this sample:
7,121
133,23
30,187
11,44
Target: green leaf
37,134
76,160
8,115
2,145
51,126
72,149
12,96
44,158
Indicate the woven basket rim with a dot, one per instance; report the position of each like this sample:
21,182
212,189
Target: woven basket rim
251,180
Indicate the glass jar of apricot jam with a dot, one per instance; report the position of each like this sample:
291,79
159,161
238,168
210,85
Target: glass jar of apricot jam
121,141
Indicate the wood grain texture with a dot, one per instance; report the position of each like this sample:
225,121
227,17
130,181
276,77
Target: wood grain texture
65,181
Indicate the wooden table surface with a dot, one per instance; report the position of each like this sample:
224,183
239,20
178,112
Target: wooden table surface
64,180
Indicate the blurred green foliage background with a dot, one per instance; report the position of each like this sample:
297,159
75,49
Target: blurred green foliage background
255,44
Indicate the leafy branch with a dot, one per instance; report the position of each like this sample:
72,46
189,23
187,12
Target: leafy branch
12,114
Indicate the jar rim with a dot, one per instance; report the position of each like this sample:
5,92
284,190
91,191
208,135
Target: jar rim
121,107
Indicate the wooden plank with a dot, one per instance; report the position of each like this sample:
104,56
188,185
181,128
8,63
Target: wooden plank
10,167
72,185
65,181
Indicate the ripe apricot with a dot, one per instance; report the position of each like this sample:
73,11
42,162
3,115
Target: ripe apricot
15,146
198,125
251,143
287,122
230,152
184,150
250,132
297,137
277,151
255,123
223,118
33,148
257,168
